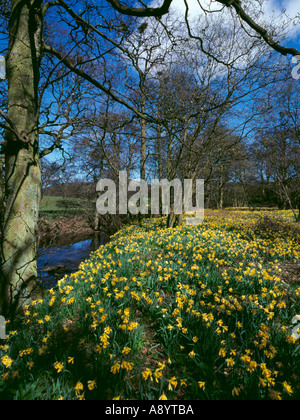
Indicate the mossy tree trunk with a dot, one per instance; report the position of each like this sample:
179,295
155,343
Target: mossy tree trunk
22,166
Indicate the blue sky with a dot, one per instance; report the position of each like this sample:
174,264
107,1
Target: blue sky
273,13
273,10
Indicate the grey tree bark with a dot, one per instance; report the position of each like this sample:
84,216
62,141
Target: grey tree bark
22,166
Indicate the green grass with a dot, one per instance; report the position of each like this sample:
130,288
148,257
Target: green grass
53,205
50,203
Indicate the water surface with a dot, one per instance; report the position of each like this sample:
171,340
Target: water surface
59,259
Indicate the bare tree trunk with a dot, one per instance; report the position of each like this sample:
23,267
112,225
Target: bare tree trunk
22,166
174,220
2,191
160,171
221,189
97,221
143,142
143,150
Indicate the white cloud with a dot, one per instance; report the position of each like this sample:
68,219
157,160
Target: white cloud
272,11
268,13
194,7
286,12
291,6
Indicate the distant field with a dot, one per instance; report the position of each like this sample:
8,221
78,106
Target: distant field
53,205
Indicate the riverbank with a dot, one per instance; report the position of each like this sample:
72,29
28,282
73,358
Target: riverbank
62,229
64,242
64,256
195,312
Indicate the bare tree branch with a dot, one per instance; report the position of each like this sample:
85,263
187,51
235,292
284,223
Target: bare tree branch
236,4
68,63
142,12
11,127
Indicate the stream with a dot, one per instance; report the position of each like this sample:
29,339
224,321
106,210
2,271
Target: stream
62,258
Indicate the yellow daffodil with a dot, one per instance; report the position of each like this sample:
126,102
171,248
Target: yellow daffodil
201,385
163,396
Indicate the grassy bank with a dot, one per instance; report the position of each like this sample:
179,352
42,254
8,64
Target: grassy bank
63,219
199,312
52,206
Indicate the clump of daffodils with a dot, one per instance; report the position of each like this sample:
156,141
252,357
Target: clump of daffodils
195,312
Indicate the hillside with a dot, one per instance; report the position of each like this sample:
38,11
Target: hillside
202,312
